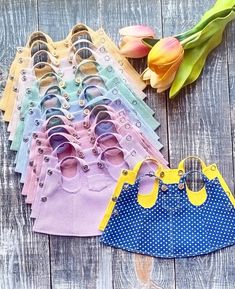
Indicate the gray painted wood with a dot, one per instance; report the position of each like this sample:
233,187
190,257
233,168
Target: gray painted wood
200,121
24,256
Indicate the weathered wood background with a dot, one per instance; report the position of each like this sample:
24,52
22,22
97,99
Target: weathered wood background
200,121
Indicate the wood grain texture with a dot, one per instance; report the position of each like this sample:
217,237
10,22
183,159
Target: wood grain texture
127,272
199,123
24,256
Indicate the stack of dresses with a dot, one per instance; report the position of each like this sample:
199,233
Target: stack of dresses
77,118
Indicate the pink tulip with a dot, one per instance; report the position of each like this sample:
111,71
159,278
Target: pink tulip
131,42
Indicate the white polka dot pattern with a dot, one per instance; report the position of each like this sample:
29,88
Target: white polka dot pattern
173,227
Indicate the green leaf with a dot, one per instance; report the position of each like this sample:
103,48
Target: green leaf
194,60
220,9
212,28
150,42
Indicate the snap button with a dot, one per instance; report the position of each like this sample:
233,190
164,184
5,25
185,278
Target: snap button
86,111
38,142
213,167
11,77
24,78
25,139
92,140
62,84
95,151
35,135
114,199
65,106
69,116
164,188
128,138
81,155
46,159
124,172
15,89
81,102
66,96
44,199
138,124
180,173
127,126
85,168
162,174
31,163
28,90
100,165
126,186
77,80
37,122
115,212
20,60
40,151
133,153
85,124
181,186
30,111
40,185
22,118
49,172
134,102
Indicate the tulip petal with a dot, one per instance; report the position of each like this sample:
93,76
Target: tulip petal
134,49
137,31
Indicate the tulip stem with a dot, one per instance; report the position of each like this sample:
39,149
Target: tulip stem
191,37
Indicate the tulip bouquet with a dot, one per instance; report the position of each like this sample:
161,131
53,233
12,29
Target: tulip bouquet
177,61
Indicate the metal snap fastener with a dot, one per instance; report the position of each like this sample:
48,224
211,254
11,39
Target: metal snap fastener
19,49
115,212
40,151
228,193
77,80
35,135
81,155
133,153
38,142
15,89
81,102
31,163
134,102
66,96
164,188
49,172
100,165
122,120
31,104
85,168
19,107
114,91
36,122
66,43
138,124
114,199
162,174
213,167
127,126
126,186
86,111
107,58
85,124
110,69
46,159
128,137
65,106
22,118
11,77
69,116
181,186
34,171
30,111
28,90
44,199
40,185
25,139
92,139
180,173
20,60
62,84
24,78
124,172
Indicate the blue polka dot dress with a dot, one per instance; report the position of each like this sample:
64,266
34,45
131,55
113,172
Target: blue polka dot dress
173,226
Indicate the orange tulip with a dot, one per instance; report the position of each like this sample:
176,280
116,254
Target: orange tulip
131,44
164,60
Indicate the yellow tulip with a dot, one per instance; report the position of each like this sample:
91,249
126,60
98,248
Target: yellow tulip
164,60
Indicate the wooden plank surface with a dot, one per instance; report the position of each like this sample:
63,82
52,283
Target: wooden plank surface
24,256
200,121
